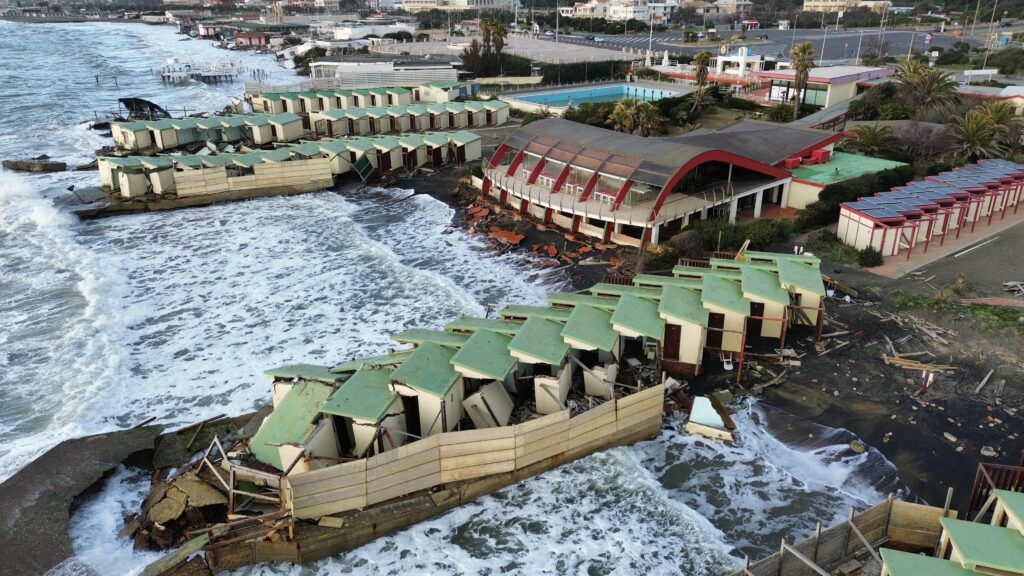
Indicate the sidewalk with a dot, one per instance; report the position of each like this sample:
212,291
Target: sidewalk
897,266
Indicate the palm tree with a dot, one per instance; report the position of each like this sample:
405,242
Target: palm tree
701,62
802,60
635,117
701,98
976,136
874,140
926,88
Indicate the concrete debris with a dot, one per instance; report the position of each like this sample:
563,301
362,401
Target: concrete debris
989,452
858,447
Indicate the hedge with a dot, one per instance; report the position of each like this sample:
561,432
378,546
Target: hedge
825,210
762,233
582,71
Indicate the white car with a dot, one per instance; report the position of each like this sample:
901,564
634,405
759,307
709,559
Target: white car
599,39
549,33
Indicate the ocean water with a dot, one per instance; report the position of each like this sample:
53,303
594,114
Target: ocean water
175,315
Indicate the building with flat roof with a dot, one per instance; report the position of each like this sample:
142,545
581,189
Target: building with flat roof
826,85
833,6
629,189
354,71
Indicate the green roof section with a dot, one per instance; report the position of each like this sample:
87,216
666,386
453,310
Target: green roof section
304,372
541,339
683,304
469,324
907,564
591,326
639,315
428,370
986,545
842,166
390,359
423,335
485,353
1014,502
603,289
763,285
365,396
521,311
661,281
577,299
724,294
802,276
292,420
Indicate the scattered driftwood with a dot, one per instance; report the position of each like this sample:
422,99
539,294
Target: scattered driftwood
1017,288
836,347
914,364
834,334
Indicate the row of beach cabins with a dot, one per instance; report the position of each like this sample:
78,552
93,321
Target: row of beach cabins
484,368
316,101
290,168
146,136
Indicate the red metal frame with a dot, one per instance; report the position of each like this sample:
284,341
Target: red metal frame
516,161
536,170
590,186
498,155
621,195
561,178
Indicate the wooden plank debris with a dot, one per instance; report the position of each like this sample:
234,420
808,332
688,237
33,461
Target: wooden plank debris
984,381
914,364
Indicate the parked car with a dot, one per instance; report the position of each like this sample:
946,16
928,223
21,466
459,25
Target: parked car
589,37
598,39
549,33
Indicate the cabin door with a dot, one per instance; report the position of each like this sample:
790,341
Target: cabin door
383,161
670,346
754,324
411,407
436,158
460,154
410,159
490,118
716,322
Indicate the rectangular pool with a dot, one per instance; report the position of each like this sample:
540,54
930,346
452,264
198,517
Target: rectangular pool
612,93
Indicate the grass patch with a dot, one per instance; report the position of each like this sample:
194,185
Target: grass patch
828,246
996,318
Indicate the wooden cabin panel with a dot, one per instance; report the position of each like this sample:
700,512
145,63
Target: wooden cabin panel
541,454
481,458
344,469
348,492
404,476
595,413
328,484
639,418
538,423
477,471
652,392
603,433
558,429
455,450
649,406
422,483
378,472
468,436
329,508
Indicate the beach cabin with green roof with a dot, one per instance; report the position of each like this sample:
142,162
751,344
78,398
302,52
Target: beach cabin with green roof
898,563
439,119
285,127
131,135
309,102
487,368
541,352
807,290
368,413
295,426
983,548
431,389
727,313
458,115
769,302
686,330
163,134
292,102
187,130
267,103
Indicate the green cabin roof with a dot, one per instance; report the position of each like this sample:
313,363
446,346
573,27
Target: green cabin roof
470,324
520,311
1014,502
577,299
986,545
591,326
304,372
485,353
603,289
763,285
726,294
656,280
541,339
293,420
428,370
639,315
907,564
683,304
391,359
421,335
366,396
802,276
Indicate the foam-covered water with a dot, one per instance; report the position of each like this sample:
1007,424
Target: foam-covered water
175,315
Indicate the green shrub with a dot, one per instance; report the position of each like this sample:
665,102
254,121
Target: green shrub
761,233
779,113
689,244
895,111
582,71
869,257
741,104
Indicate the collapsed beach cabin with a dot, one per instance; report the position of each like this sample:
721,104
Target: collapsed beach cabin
291,168
948,203
167,134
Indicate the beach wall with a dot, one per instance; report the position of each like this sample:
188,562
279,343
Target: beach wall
901,525
467,455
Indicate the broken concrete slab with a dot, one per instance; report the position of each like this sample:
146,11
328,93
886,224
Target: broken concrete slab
36,501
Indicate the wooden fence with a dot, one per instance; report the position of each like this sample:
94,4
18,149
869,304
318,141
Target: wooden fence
911,526
458,456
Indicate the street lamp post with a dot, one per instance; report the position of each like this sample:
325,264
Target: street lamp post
859,42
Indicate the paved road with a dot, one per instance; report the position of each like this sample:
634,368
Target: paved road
838,45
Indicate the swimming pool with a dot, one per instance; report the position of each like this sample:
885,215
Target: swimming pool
611,93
